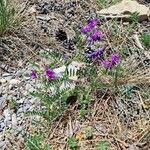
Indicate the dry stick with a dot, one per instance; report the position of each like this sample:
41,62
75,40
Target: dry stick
144,134
125,144
23,8
97,102
52,134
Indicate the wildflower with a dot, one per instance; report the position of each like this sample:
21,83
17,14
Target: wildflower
34,74
88,28
109,64
97,53
50,73
93,23
115,58
97,35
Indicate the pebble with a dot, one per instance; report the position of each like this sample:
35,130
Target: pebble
2,102
14,121
2,81
21,101
14,81
2,144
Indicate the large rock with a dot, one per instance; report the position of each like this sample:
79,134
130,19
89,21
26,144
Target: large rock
124,8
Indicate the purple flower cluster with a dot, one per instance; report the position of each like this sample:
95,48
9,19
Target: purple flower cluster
97,53
94,33
49,73
109,64
34,74
91,24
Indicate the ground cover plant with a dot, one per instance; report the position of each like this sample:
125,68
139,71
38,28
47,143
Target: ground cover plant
7,16
74,81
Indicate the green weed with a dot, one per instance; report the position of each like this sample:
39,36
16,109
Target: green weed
106,3
7,16
103,145
73,143
145,38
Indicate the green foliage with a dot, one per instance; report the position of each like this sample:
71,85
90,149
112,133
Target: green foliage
134,17
7,16
106,3
13,104
36,142
103,145
73,143
145,38
129,90
89,133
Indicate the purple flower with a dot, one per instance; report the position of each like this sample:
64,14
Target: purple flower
50,73
34,74
88,28
115,58
97,53
93,23
97,35
109,64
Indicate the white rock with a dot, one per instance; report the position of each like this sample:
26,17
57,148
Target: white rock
14,121
21,101
124,8
6,113
2,144
14,81
3,80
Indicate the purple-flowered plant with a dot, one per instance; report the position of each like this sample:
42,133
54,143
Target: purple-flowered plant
109,64
34,74
50,73
86,29
89,27
115,58
93,23
97,53
97,35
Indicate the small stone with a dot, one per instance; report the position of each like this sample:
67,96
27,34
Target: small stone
2,125
14,81
14,121
2,102
20,110
2,81
2,144
6,75
29,88
6,113
44,18
21,101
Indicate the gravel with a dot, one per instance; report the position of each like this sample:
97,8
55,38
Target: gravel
15,101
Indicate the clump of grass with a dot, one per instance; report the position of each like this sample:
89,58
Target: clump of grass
106,3
73,143
145,38
36,142
103,145
7,16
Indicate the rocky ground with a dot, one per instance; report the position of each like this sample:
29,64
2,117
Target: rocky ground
42,29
